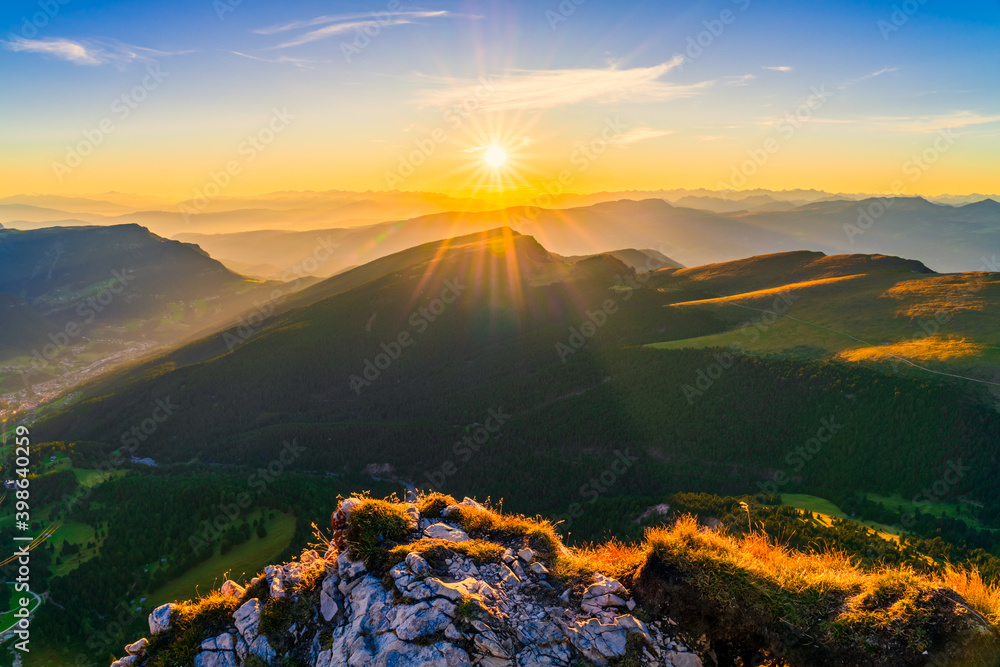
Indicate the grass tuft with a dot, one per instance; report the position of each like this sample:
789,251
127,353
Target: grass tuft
193,622
486,524
436,551
374,527
432,504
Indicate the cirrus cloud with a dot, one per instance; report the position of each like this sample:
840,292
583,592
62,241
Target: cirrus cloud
345,23
637,134
88,52
63,49
545,89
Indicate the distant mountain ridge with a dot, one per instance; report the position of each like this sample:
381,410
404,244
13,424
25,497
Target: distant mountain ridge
119,288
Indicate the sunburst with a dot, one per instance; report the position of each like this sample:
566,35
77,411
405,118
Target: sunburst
495,156
498,165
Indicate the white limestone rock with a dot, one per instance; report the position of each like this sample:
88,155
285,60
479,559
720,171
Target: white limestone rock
442,531
161,618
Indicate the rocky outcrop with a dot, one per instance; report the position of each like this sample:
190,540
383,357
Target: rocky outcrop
459,585
450,610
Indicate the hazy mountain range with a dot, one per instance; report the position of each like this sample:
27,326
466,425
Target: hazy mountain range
277,234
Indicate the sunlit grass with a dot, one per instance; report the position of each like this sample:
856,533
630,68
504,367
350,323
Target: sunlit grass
931,348
927,297
770,292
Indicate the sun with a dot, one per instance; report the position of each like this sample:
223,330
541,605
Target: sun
495,156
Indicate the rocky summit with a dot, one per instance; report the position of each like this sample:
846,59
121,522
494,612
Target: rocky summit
452,584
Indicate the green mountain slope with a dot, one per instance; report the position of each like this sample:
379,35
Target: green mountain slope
384,370
83,298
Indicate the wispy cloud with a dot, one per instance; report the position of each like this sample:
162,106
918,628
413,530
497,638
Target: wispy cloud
545,89
740,80
63,49
337,29
953,120
876,73
302,63
345,23
637,134
912,124
88,52
778,68
345,18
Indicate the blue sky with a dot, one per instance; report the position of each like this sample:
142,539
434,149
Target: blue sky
892,76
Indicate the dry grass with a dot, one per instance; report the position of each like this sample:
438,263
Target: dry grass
436,551
767,293
374,527
790,570
431,505
193,620
871,599
983,597
613,559
538,533
932,348
941,294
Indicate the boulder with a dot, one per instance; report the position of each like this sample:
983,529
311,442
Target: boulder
161,618
417,564
423,619
247,619
136,648
232,589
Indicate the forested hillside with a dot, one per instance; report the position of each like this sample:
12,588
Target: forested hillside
510,342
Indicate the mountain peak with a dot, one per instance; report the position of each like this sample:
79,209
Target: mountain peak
987,205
